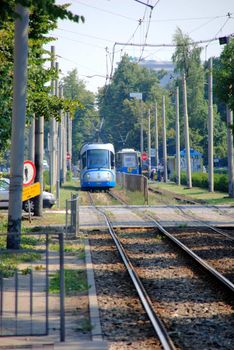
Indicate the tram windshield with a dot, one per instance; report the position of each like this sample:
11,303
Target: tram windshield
98,158
130,160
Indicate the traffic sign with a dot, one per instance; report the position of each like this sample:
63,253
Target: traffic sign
68,156
31,191
29,173
144,156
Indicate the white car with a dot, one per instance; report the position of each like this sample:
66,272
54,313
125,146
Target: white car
48,198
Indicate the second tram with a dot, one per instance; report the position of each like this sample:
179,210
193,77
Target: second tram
128,161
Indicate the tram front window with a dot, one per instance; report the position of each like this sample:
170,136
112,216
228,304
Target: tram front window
130,160
97,158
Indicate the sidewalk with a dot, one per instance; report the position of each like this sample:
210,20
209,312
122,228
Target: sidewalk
82,324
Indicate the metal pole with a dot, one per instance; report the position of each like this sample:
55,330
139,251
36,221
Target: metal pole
156,135
58,127
149,144
210,129
177,137
62,287
186,133
18,126
31,143
164,140
230,153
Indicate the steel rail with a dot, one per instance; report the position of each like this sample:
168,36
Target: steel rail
213,271
194,216
157,324
205,224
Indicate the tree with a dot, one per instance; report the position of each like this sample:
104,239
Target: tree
187,59
85,118
122,115
224,75
47,13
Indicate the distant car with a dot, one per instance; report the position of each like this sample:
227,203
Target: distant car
48,198
45,164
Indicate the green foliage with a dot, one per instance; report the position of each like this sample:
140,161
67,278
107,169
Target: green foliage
85,117
122,114
43,18
201,180
224,75
75,281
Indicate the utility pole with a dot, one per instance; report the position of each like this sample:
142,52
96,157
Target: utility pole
177,137
141,131
64,156
52,129
39,151
69,139
164,140
186,133
149,143
18,126
156,135
230,153
210,129
58,132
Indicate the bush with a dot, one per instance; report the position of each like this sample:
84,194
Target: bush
201,180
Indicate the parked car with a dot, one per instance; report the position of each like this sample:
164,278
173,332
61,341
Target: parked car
48,198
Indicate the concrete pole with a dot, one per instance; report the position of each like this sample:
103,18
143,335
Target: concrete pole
58,138
39,152
65,147
52,129
141,135
210,129
18,126
164,140
31,139
230,153
186,133
149,143
177,137
69,143
156,135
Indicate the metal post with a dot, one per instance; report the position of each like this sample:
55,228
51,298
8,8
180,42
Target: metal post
186,133
177,137
62,287
210,130
31,143
164,140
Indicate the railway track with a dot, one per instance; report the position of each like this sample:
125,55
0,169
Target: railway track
149,305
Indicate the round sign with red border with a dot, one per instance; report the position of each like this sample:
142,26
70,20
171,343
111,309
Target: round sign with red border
29,172
144,156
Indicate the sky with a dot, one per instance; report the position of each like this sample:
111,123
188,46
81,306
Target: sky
95,47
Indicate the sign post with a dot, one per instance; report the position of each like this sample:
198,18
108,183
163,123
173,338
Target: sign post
28,178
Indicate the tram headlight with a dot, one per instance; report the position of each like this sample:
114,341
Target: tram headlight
87,177
108,176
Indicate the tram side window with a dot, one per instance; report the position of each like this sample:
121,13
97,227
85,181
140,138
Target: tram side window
84,160
112,160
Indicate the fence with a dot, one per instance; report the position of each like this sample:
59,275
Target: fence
133,182
24,285
72,216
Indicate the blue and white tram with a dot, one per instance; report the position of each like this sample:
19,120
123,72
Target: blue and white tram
97,166
128,161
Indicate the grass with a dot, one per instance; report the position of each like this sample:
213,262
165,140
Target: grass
75,281
197,193
71,249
